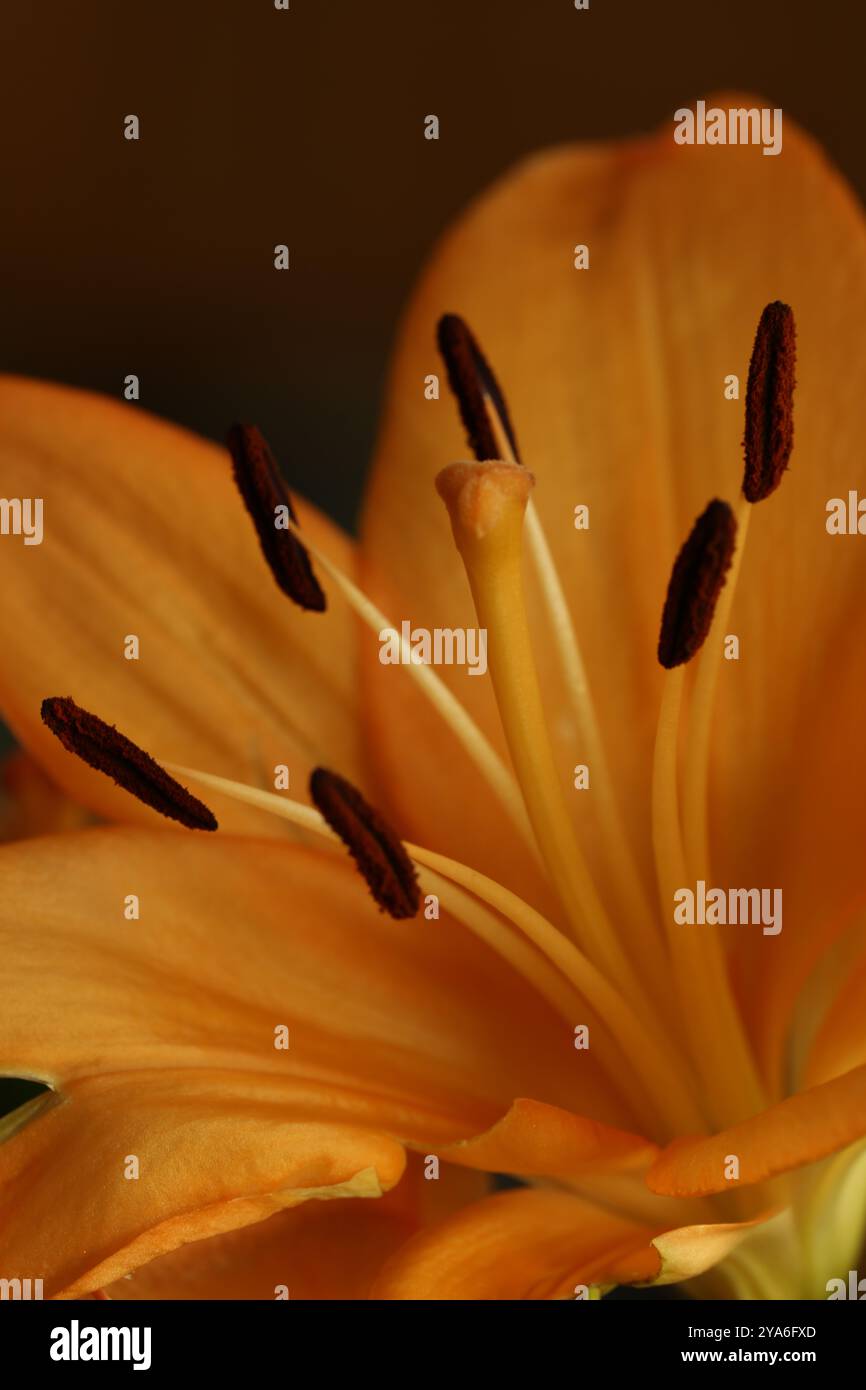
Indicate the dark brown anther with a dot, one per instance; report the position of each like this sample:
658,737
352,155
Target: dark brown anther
769,433
101,746
697,579
378,852
476,389
263,490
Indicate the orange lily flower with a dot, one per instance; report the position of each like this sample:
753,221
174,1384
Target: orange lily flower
713,1129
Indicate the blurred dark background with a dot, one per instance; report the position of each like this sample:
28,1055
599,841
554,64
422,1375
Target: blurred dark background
305,126
261,126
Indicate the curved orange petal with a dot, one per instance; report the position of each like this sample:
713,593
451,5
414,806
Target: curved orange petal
689,1251
530,1244
321,1250
405,1025
215,1151
537,1244
537,1140
145,534
797,1131
615,380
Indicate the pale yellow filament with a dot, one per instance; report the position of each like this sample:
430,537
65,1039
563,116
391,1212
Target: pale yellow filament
713,1023
519,954
697,761
644,1050
627,884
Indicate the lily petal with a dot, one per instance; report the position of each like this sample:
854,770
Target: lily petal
689,1251
529,1244
537,1244
615,381
214,1151
537,1140
797,1131
408,1027
321,1250
145,535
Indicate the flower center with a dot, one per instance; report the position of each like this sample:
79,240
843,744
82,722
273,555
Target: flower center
681,1069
